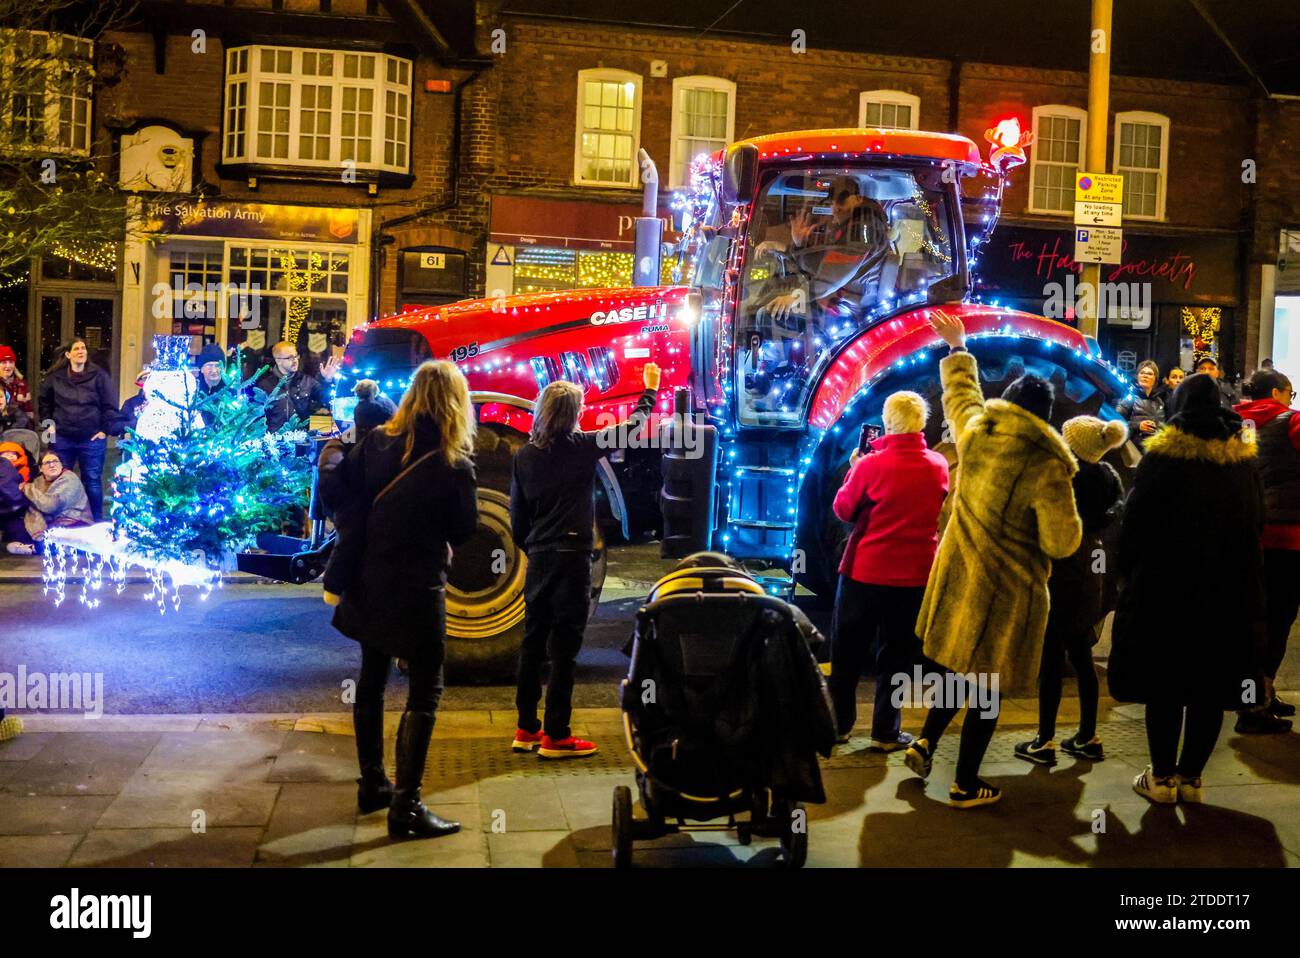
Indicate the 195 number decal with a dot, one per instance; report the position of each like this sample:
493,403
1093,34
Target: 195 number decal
461,353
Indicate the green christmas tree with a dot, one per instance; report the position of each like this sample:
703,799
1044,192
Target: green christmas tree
214,481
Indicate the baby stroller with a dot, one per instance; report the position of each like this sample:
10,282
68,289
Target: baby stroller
725,711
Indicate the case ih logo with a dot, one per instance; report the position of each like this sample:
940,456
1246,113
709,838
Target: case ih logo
630,314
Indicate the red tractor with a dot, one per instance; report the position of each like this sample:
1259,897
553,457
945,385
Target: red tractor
808,266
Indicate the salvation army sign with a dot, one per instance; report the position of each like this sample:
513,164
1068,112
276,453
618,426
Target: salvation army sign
1020,261
265,221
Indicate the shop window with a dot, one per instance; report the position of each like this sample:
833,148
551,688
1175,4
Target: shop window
1142,157
317,108
295,295
49,80
704,121
889,110
195,279
1056,157
543,269
608,128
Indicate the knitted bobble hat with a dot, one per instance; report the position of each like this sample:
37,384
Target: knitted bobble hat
1090,438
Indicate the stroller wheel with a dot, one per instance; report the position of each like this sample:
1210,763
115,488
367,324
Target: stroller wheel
621,826
791,820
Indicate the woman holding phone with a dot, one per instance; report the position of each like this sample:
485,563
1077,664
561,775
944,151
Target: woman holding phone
892,495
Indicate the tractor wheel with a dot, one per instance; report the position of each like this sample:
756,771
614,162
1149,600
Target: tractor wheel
485,585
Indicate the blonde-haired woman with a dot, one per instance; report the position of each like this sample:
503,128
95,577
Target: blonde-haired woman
402,497
552,515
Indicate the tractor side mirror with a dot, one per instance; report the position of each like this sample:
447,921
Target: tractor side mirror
740,175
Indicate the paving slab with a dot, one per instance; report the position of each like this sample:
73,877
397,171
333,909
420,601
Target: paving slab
36,851
39,815
468,848
170,797
167,848
532,850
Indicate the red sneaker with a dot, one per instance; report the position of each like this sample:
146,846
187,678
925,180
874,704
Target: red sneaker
526,741
565,747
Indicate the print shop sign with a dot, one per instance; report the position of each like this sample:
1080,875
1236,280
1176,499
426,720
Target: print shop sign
264,221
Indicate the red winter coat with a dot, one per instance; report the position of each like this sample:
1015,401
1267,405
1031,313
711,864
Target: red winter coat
893,495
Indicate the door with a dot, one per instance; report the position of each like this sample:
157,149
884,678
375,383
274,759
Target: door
62,316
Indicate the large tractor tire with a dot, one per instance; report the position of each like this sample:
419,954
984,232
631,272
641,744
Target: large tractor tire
822,536
485,585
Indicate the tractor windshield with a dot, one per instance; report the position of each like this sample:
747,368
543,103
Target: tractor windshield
829,250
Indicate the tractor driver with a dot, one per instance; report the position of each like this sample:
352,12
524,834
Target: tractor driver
854,221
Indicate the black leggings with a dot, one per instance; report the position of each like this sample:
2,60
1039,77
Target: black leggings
976,730
1058,644
426,680
1200,730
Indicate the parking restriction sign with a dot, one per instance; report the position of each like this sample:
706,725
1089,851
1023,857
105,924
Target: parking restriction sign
1097,245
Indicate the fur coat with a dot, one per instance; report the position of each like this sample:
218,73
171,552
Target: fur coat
1011,512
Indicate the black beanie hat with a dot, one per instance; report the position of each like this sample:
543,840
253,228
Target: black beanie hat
1033,394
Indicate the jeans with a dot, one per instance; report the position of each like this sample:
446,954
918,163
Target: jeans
1200,727
426,680
557,590
1058,644
879,619
1282,588
88,455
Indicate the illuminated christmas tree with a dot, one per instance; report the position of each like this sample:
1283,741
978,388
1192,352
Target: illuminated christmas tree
203,476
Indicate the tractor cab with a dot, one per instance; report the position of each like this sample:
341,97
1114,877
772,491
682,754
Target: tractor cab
797,243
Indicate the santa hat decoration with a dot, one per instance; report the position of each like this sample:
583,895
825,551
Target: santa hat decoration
1090,438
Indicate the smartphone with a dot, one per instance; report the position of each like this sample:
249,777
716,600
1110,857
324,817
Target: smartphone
870,433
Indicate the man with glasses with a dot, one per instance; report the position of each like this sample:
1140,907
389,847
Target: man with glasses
300,394
1277,428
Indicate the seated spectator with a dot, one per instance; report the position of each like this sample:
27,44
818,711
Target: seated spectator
14,473
373,407
16,455
57,497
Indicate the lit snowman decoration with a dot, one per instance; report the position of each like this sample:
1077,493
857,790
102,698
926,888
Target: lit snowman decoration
169,390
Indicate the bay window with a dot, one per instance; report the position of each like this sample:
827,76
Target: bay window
317,108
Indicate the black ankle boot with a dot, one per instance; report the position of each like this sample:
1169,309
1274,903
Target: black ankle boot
374,790
408,816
